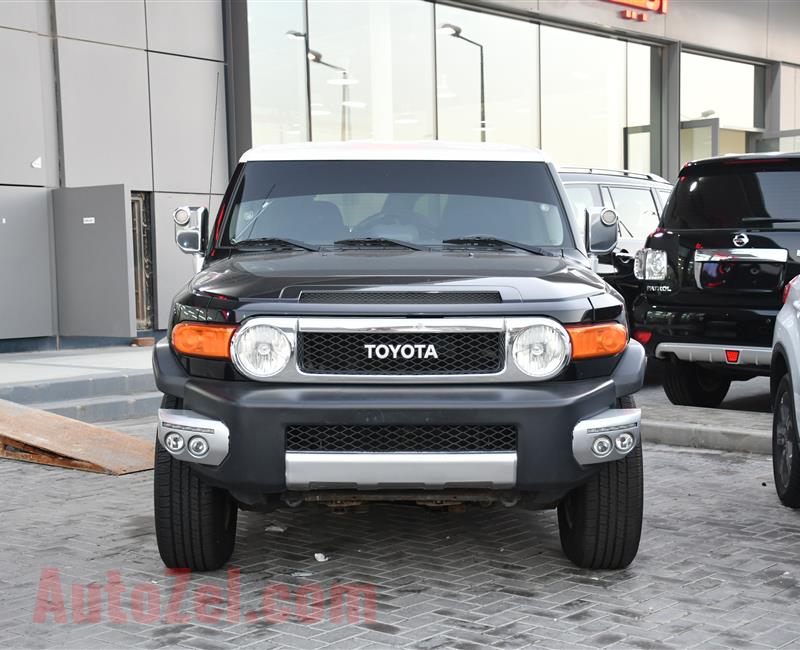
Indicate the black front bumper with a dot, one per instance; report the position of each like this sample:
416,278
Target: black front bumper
257,415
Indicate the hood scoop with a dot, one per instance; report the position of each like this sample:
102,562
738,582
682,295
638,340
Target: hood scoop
400,297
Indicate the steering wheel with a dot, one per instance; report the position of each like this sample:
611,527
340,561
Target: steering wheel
394,219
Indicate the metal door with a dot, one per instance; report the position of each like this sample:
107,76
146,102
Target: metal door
94,261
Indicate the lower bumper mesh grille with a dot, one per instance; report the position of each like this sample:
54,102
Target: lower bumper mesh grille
400,438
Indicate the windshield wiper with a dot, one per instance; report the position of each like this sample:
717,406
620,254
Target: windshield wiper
377,241
479,240
277,242
769,220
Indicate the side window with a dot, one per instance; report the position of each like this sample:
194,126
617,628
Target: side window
637,211
663,195
583,197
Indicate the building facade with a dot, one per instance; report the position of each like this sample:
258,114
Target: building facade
107,123
120,111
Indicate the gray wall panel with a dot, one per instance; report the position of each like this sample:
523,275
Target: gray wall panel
21,122
788,89
47,84
105,110
173,268
120,22
94,261
20,14
25,248
739,26
182,102
188,27
783,43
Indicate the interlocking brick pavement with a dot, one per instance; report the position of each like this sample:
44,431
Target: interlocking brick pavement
718,568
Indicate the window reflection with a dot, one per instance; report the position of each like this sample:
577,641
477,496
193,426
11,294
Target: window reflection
718,88
592,88
510,77
276,62
371,70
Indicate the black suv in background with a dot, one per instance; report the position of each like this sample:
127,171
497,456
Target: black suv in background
638,200
713,275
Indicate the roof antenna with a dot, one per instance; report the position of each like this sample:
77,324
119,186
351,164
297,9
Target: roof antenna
213,141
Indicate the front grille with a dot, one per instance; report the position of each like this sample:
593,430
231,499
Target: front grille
400,438
401,297
457,353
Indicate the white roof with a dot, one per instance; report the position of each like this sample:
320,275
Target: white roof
404,150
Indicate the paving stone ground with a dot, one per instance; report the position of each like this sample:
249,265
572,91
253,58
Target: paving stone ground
718,567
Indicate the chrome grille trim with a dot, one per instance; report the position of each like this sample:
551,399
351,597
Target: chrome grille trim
294,374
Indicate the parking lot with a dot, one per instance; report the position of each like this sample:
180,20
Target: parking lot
717,568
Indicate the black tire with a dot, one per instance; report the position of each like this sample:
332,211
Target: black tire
195,523
687,384
600,522
785,448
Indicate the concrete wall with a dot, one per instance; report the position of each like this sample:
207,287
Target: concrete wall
104,93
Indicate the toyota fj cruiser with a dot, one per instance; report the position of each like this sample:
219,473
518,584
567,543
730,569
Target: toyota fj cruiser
407,322
714,272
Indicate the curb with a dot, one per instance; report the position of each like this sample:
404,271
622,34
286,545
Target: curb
756,441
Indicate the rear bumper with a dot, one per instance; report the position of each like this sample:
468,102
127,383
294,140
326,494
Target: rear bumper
546,417
731,355
703,334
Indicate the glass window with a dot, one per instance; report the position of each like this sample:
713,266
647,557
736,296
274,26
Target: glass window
509,71
664,196
592,88
277,62
724,196
637,210
371,70
727,90
422,202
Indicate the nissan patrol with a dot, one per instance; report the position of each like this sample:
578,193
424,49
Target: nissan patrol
714,272
410,322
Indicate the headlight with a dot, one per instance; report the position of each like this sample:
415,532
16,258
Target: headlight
650,264
260,350
541,350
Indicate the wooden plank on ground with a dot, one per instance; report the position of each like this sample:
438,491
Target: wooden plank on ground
35,436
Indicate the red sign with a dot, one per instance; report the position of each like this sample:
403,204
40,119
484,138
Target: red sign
639,8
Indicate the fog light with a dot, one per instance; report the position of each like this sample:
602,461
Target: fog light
601,447
198,447
173,442
624,442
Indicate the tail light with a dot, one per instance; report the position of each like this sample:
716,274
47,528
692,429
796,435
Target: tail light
650,264
788,287
643,336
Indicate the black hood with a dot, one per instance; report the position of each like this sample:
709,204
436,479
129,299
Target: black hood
273,275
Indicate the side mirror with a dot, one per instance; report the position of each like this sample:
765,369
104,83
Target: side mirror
601,231
191,226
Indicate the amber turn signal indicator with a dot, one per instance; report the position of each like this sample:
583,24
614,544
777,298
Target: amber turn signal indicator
203,340
603,340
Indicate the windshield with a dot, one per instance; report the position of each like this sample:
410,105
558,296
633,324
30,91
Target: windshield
419,202
736,194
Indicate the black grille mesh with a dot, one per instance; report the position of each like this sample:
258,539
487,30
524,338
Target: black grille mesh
458,353
399,438
401,297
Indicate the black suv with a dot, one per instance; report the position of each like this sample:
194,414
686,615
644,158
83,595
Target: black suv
714,272
397,322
